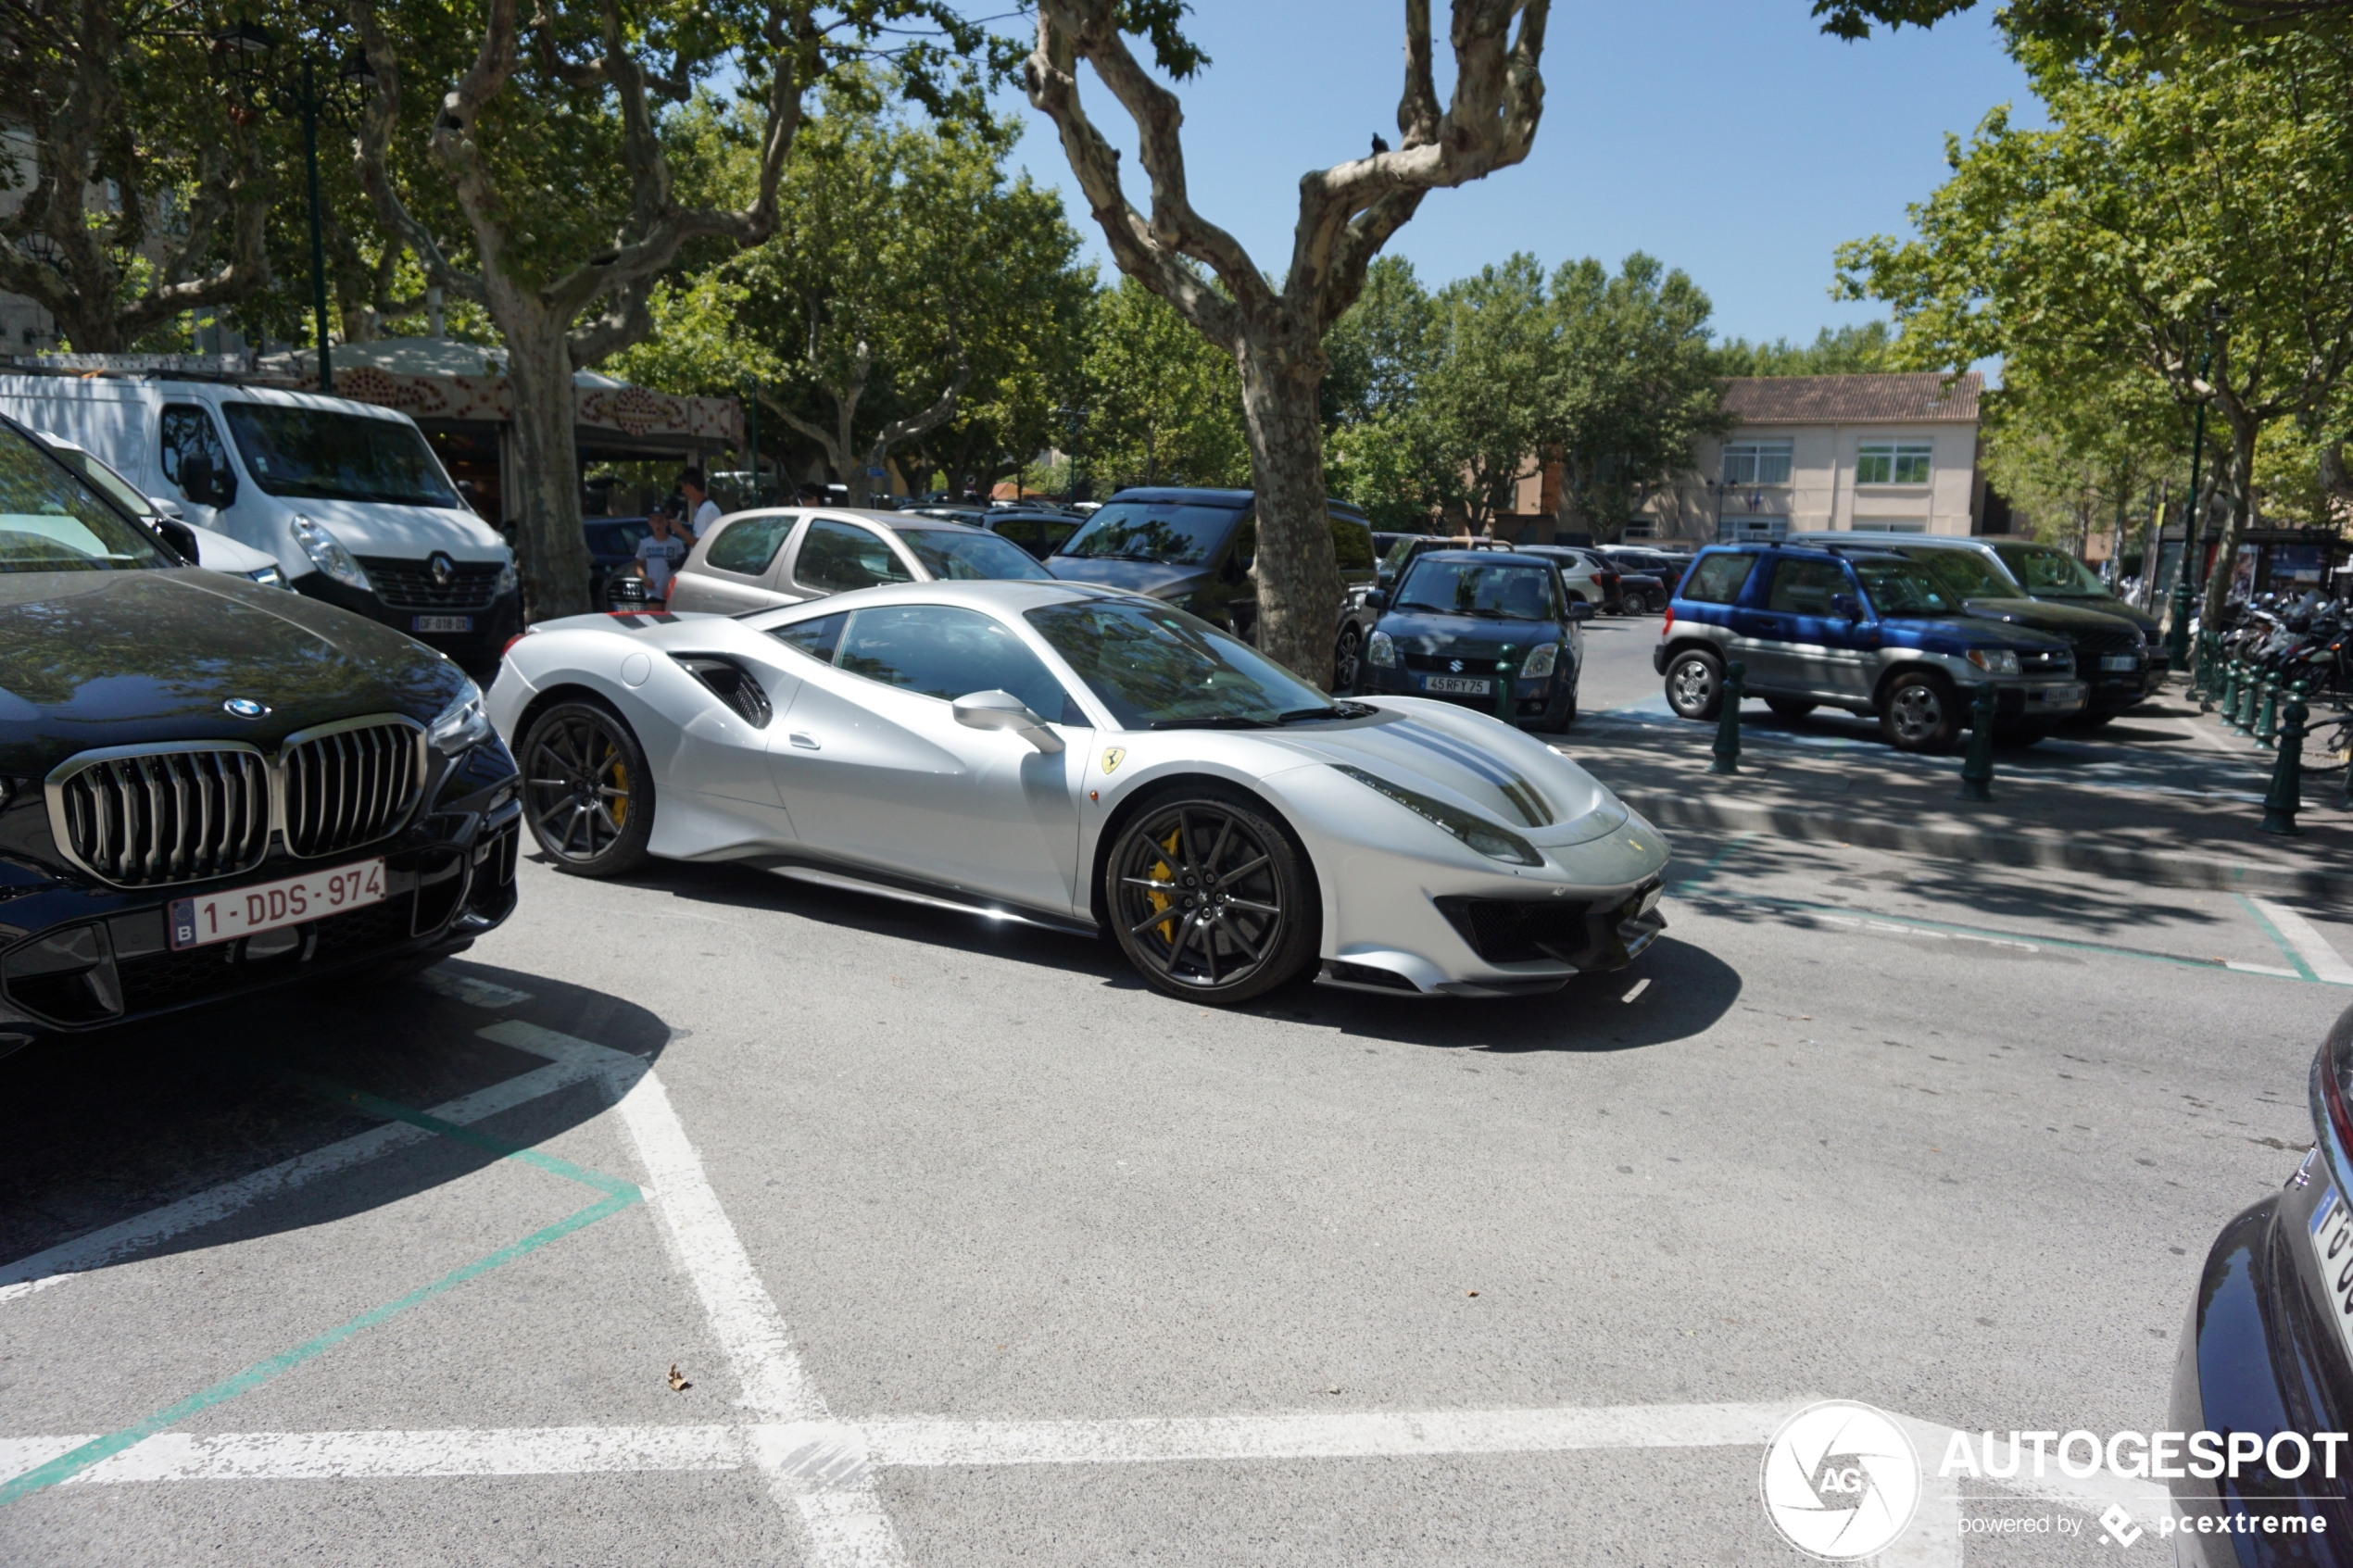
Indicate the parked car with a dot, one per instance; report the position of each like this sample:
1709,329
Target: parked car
2123,661
783,555
1870,632
1583,572
208,786
206,547
2269,1349
612,555
1039,530
1405,547
1491,630
2036,571
347,498
1090,761
1193,548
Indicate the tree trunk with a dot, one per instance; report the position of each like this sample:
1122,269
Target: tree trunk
2244,428
541,495
1298,575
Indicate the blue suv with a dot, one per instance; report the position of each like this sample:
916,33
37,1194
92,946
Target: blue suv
1869,632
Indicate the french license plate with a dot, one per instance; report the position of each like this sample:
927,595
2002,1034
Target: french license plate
1463,684
2332,1250
2124,661
241,911
442,624
2070,696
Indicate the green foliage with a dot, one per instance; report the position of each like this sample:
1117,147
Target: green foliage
1846,351
2084,456
1165,404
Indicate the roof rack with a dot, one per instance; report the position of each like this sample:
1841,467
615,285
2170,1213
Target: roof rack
145,366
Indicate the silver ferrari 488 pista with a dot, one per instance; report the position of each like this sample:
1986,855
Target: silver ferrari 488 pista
1087,759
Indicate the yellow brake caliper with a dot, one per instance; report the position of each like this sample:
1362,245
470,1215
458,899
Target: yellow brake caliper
619,809
1162,871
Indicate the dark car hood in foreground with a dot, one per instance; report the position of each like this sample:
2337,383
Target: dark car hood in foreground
93,658
1466,636
2066,621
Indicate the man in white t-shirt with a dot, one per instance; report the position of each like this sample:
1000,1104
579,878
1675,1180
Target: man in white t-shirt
701,510
660,552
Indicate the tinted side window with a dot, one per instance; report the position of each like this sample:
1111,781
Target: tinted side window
1057,534
837,557
1804,587
1717,579
748,545
944,652
1351,544
1021,530
816,638
189,431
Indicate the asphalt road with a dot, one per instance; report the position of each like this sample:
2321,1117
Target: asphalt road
970,1250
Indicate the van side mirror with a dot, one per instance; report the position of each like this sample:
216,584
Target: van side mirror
205,484
1846,605
1003,710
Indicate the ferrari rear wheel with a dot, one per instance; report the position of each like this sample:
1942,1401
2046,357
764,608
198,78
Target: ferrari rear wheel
1209,899
587,793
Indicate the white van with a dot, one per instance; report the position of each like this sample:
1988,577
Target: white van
347,497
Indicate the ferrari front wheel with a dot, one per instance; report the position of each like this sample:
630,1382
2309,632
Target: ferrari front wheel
587,793
1210,899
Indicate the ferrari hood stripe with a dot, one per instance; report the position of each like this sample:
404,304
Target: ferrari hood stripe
1518,791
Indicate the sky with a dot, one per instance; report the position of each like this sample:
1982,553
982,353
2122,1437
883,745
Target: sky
1727,137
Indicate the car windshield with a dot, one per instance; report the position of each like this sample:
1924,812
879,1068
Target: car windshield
2049,573
1502,592
1897,587
1965,574
1158,667
103,480
953,555
321,454
1168,532
50,521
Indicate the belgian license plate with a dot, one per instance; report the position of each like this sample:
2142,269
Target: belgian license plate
2332,1250
2124,661
241,911
1463,684
442,624
2072,695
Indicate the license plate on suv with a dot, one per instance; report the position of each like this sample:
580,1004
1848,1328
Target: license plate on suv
241,911
2073,694
2127,662
1462,684
441,623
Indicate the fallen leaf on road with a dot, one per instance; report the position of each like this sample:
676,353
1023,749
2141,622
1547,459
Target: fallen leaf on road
1473,1293
677,1384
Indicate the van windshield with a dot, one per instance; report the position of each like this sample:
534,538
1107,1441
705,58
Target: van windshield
1165,531
322,454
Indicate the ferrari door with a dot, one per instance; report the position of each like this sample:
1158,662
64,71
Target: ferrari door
874,769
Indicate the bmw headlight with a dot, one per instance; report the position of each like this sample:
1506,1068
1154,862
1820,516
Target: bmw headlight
1994,661
269,576
1541,660
326,553
1381,650
462,724
1496,843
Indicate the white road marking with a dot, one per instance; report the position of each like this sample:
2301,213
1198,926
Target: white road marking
1640,987
466,988
2325,960
2273,970
310,1456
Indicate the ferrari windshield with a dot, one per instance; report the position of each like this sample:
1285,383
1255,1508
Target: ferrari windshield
1499,592
1897,587
955,554
2050,573
1158,667
50,521
320,454
1165,531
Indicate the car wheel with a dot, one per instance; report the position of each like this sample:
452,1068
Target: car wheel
1790,707
1345,656
1920,714
587,793
1695,685
1209,899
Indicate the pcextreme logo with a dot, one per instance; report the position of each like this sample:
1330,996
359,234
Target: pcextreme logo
1841,1481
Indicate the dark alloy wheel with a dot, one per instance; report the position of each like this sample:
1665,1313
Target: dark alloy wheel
1209,899
1695,685
1346,656
587,793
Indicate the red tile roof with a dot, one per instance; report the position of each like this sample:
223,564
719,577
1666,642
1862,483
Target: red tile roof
1911,399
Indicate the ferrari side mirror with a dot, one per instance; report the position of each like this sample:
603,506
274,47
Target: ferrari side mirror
1003,710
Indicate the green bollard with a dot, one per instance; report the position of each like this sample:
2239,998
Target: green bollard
1977,769
2206,687
2266,720
2286,797
2243,714
1728,720
1505,708
2228,698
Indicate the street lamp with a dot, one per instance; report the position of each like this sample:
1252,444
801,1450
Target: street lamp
243,50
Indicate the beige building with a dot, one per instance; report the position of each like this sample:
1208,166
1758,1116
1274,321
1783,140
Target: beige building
1891,453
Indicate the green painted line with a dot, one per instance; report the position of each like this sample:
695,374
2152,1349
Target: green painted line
344,1094
1714,862
2287,951
68,1465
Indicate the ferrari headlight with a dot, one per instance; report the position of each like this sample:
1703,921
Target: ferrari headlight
1540,660
1994,661
1381,650
462,724
326,553
1496,843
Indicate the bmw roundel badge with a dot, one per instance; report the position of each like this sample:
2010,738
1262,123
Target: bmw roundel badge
244,707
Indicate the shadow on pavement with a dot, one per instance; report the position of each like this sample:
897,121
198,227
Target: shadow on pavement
98,1128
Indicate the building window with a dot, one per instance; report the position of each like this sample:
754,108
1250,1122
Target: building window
1641,530
1891,525
1892,462
1756,462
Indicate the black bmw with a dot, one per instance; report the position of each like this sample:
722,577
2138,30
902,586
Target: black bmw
208,786
1489,629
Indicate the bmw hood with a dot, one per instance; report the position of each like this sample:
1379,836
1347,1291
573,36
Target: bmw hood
2064,621
94,658
1467,637
378,528
1440,750
1172,582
